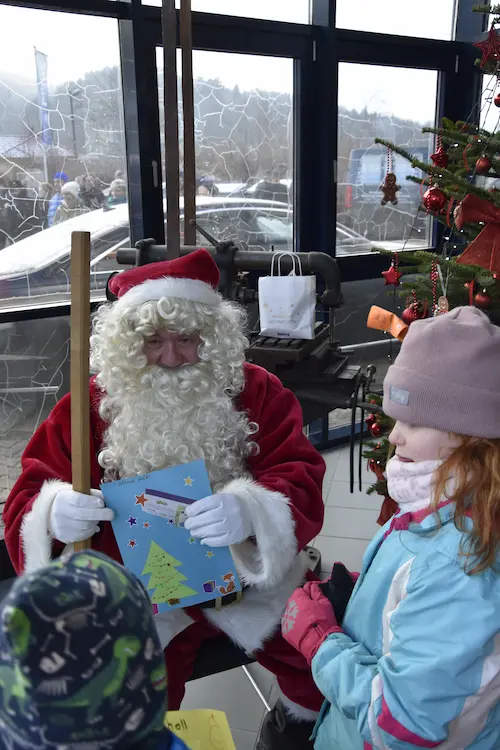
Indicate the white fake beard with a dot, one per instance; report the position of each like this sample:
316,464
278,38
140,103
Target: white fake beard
168,417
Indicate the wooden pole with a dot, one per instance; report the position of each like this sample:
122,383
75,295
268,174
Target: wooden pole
80,347
186,33
171,104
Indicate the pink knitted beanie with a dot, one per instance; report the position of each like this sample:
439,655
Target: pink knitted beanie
447,375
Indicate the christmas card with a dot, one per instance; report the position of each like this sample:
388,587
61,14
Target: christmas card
175,568
202,729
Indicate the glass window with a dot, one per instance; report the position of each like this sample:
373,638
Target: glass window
392,103
244,146
34,375
430,19
62,150
291,11
490,114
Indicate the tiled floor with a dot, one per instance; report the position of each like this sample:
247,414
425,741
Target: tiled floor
350,523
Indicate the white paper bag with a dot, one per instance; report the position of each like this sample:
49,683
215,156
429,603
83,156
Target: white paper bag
287,304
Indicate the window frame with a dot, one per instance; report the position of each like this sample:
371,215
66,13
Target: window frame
317,49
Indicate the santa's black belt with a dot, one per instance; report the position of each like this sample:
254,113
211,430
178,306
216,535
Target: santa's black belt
223,601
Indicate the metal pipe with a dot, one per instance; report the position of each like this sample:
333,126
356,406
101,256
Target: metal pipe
170,107
249,260
256,688
349,348
186,34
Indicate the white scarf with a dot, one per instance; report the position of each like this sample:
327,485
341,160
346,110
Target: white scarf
411,485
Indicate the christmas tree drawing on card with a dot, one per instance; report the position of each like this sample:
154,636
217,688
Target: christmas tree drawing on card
176,570
165,578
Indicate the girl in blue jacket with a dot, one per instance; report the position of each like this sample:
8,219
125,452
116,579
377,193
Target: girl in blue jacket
416,663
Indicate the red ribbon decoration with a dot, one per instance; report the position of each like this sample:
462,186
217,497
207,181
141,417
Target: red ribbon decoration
484,251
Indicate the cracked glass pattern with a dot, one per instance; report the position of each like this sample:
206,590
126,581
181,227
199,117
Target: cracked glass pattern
429,19
391,103
34,375
62,152
244,147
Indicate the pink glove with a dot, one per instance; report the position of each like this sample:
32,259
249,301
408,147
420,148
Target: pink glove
308,619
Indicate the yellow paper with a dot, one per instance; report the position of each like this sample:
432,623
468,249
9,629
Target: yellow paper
201,730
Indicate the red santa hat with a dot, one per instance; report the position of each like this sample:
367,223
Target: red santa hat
194,277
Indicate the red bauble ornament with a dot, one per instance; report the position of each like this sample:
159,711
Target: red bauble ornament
483,165
440,158
496,276
376,429
434,200
409,315
482,300
371,418
372,465
391,276
496,100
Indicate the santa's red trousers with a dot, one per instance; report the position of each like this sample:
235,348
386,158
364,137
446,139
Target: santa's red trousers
290,667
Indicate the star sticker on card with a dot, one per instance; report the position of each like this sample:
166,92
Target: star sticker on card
141,499
210,554
146,525
192,540
132,543
132,521
188,482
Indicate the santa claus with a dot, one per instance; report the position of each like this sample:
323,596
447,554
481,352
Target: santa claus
172,386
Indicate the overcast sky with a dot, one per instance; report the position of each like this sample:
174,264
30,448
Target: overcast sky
76,44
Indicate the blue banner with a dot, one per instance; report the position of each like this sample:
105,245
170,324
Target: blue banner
43,96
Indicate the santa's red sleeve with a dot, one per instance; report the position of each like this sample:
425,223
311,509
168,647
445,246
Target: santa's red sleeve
283,488
45,470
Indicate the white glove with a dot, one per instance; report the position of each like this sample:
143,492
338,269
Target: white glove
219,520
74,517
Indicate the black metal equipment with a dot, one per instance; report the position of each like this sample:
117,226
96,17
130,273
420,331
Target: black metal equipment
315,371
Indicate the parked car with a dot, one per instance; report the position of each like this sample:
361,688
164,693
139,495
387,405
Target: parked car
40,264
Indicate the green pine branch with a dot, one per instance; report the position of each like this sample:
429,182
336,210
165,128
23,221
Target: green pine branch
442,177
492,10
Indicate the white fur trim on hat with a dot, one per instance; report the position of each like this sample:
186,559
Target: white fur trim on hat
155,289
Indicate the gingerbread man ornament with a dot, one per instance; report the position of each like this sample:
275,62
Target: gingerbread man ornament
389,189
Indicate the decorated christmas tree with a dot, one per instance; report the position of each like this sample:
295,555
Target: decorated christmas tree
165,577
459,190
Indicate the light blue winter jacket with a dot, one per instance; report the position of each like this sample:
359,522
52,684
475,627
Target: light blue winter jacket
418,665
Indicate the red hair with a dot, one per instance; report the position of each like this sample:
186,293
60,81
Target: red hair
475,467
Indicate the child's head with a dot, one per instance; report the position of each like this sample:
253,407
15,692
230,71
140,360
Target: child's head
446,376
444,393
80,661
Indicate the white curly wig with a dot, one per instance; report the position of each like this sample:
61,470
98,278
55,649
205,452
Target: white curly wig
160,417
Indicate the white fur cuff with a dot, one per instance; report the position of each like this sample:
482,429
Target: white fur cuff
35,534
265,562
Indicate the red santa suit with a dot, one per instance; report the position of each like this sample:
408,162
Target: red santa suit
281,488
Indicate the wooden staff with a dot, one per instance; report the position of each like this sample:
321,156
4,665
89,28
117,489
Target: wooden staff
80,345
170,106
186,29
